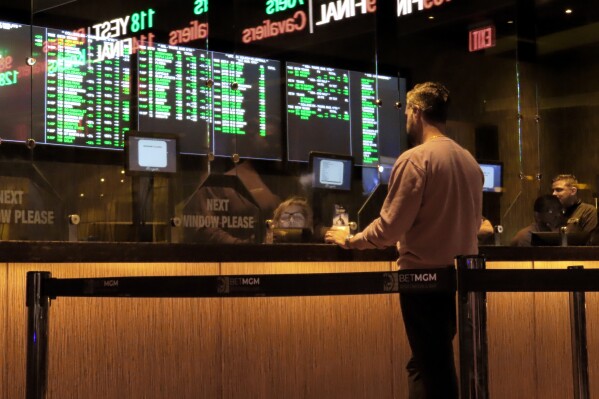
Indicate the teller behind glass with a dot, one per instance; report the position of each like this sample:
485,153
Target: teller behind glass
293,221
580,216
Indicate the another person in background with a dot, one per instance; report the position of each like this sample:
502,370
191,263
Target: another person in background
580,217
548,217
291,222
294,212
432,213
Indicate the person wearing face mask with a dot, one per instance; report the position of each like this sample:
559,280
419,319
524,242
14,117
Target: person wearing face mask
580,217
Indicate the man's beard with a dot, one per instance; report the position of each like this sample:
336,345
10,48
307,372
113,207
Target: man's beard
412,141
414,135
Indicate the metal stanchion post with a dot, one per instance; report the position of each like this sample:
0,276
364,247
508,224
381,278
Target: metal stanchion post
563,236
472,316
497,231
175,236
74,220
578,338
37,336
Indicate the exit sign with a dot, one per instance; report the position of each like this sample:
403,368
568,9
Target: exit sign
481,38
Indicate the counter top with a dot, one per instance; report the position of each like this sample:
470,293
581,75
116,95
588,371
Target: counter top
68,252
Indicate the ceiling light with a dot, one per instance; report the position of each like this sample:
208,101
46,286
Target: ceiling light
568,11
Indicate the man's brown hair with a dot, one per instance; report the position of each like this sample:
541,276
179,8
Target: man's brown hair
432,99
570,180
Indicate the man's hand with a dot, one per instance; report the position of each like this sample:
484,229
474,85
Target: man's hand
337,236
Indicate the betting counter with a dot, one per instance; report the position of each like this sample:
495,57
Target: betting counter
294,347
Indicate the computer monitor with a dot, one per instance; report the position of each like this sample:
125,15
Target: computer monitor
247,119
331,171
150,153
87,92
318,110
377,126
215,102
291,235
21,85
550,238
493,172
344,112
172,94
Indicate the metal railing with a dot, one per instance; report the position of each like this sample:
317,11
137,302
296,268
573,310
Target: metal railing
474,282
471,281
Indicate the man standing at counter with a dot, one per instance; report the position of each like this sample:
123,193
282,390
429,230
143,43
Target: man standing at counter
432,213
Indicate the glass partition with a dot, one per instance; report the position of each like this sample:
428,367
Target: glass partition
249,89
565,57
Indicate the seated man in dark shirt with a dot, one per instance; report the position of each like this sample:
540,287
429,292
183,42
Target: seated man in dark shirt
580,217
548,217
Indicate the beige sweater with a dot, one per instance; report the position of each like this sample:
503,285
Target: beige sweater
433,208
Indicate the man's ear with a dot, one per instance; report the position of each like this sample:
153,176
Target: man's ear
574,190
417,113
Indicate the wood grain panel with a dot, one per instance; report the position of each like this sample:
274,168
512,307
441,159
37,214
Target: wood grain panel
117,347
308,347
592,314
401,351
3,326
302,347
552,341
511,340
554,338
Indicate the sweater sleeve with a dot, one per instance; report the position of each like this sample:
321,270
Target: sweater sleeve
399,210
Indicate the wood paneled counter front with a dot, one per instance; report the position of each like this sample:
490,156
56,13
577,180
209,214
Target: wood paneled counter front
291,347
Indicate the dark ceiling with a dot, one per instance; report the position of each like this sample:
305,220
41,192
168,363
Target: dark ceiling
360,41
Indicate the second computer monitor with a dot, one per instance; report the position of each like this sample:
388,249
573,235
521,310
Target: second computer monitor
344,112
331,171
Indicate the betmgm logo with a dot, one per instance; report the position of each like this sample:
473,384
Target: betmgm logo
417,278
409,281
390,282
226,285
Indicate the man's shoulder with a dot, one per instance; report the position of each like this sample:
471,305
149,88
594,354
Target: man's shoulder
418,152
583,209
586,211
409,155
442,151
409,152
587,207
